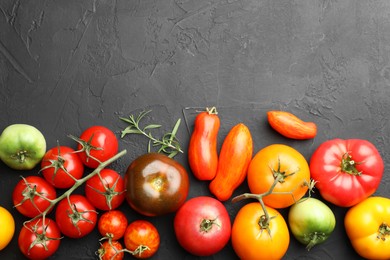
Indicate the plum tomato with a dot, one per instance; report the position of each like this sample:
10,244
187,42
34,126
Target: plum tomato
142,238
105,190
112,224
61,167
156,184
202,226
31,196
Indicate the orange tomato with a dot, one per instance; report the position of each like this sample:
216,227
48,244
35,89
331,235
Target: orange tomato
234,158
368,227
252,241
282,162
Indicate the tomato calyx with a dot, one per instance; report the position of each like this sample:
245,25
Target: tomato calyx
212,110
314,238
383,231
207,224
29,193
58,164
40,238
77,216
86,147
348,165
109,192
280,175
21,156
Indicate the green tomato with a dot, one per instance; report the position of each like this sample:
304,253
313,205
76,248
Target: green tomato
311,221
22,146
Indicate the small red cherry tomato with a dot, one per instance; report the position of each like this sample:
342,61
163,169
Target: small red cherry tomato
113,224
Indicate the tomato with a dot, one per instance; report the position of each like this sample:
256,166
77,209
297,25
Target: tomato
95,145
106,190
346,171
282,164
156,184
368,227
202,149
61,167
202,226
234,158
22,146
290,126
142,238
111,250
76,217
254,238
39,238
7,227
113,224
311,221
31,195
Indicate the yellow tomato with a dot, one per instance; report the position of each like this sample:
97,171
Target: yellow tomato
368,227
7,227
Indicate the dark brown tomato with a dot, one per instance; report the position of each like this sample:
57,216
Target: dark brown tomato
156,184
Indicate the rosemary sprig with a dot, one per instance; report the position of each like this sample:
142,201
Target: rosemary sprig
168,143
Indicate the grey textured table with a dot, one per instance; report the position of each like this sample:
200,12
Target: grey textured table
68,64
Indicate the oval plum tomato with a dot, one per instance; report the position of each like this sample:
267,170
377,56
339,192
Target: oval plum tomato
111,250
76,217
112,224
142,238
31,196
156,184
22,146
7,227
202,149
281,164
106,191
202,226
346,171
95,145
39,238
368,227
61,167
253,237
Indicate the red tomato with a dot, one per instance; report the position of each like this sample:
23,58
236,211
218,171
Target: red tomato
31,194
202,226
61,167
346,171
76,217
105,191
39,238
142,238
111,250
202,149
113,224
96,144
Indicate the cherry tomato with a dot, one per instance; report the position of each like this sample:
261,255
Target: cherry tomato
61,167
113,224
106,191
282,164
96,144
156,184
142,238
31,194
76,217
202,149
254,238
368,227
39,238
7,227
111,250
202,226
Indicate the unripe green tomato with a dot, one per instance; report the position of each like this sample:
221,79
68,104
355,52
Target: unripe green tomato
311,221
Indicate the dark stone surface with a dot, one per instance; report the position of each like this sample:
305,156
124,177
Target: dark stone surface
66,65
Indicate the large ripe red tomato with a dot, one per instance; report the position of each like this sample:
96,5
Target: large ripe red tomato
112,224
39,239
202,226
61,167
106,191
76,217
142,238
156,184
26,199
346,171
96,144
